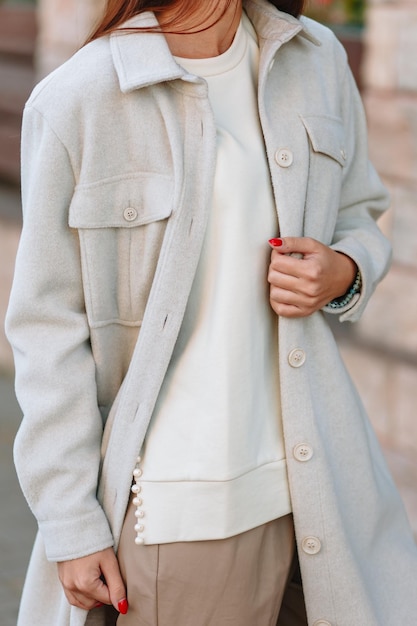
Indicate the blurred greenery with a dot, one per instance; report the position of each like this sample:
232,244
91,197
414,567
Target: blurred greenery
13,2
337,12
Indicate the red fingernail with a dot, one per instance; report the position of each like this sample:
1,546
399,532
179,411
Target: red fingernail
275,242
123,606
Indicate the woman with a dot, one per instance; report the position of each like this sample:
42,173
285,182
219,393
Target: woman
150,319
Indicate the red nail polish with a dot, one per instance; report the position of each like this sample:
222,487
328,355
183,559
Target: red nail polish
123,606
275,242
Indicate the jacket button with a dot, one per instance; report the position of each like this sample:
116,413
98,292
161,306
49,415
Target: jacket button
322,622
303,452
130,214
284,157
297,357
311,545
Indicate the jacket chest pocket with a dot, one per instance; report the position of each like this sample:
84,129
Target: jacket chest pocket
327,160
121,225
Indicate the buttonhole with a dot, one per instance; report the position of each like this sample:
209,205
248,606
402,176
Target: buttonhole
165,321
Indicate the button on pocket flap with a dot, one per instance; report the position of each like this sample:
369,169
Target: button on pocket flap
122,202
326,136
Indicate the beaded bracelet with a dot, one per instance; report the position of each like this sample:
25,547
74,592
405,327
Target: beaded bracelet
342,301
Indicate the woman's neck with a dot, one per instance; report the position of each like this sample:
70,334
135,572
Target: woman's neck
219,26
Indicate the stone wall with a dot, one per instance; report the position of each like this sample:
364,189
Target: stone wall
64,26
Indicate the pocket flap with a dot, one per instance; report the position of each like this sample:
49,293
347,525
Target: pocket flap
122,202
327,136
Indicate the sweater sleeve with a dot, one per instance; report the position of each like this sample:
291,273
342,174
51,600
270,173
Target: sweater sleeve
363,200
57,448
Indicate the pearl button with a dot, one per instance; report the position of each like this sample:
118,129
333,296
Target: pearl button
303,452
139,514
296,357
139,541
137,501
135,489
311,545
130,214
137,472
284,157
139,528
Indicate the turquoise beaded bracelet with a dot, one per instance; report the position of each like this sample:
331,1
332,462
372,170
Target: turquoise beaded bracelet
342,301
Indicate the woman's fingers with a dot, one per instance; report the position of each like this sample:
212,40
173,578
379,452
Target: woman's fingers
82,582
111,572
93,580
305,275
291,304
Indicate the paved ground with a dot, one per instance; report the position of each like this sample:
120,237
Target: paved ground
10,206
17,526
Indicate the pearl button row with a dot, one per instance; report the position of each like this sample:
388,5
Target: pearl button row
138,502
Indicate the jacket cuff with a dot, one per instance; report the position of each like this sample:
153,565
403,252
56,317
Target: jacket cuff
356,251
74,538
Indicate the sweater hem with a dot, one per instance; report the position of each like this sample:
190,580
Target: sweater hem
201,510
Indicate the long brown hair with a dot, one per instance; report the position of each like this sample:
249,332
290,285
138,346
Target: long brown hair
118,11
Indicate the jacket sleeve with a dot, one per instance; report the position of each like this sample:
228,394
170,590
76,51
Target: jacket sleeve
363,200
57,448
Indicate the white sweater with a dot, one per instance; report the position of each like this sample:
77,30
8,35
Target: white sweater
213,463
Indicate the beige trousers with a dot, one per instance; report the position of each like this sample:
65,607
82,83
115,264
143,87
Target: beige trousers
237,581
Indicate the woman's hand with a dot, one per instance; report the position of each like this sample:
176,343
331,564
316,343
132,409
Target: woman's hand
304,283
94,580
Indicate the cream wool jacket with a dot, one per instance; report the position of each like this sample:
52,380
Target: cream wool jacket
119,149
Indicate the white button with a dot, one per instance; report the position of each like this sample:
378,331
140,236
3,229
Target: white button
139,514
322,622
284,157
311,545
296,357
130,214
139,541
303,452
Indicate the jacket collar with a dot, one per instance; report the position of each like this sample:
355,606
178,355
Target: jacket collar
129,50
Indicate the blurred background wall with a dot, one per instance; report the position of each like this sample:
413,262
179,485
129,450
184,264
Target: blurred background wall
381,350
